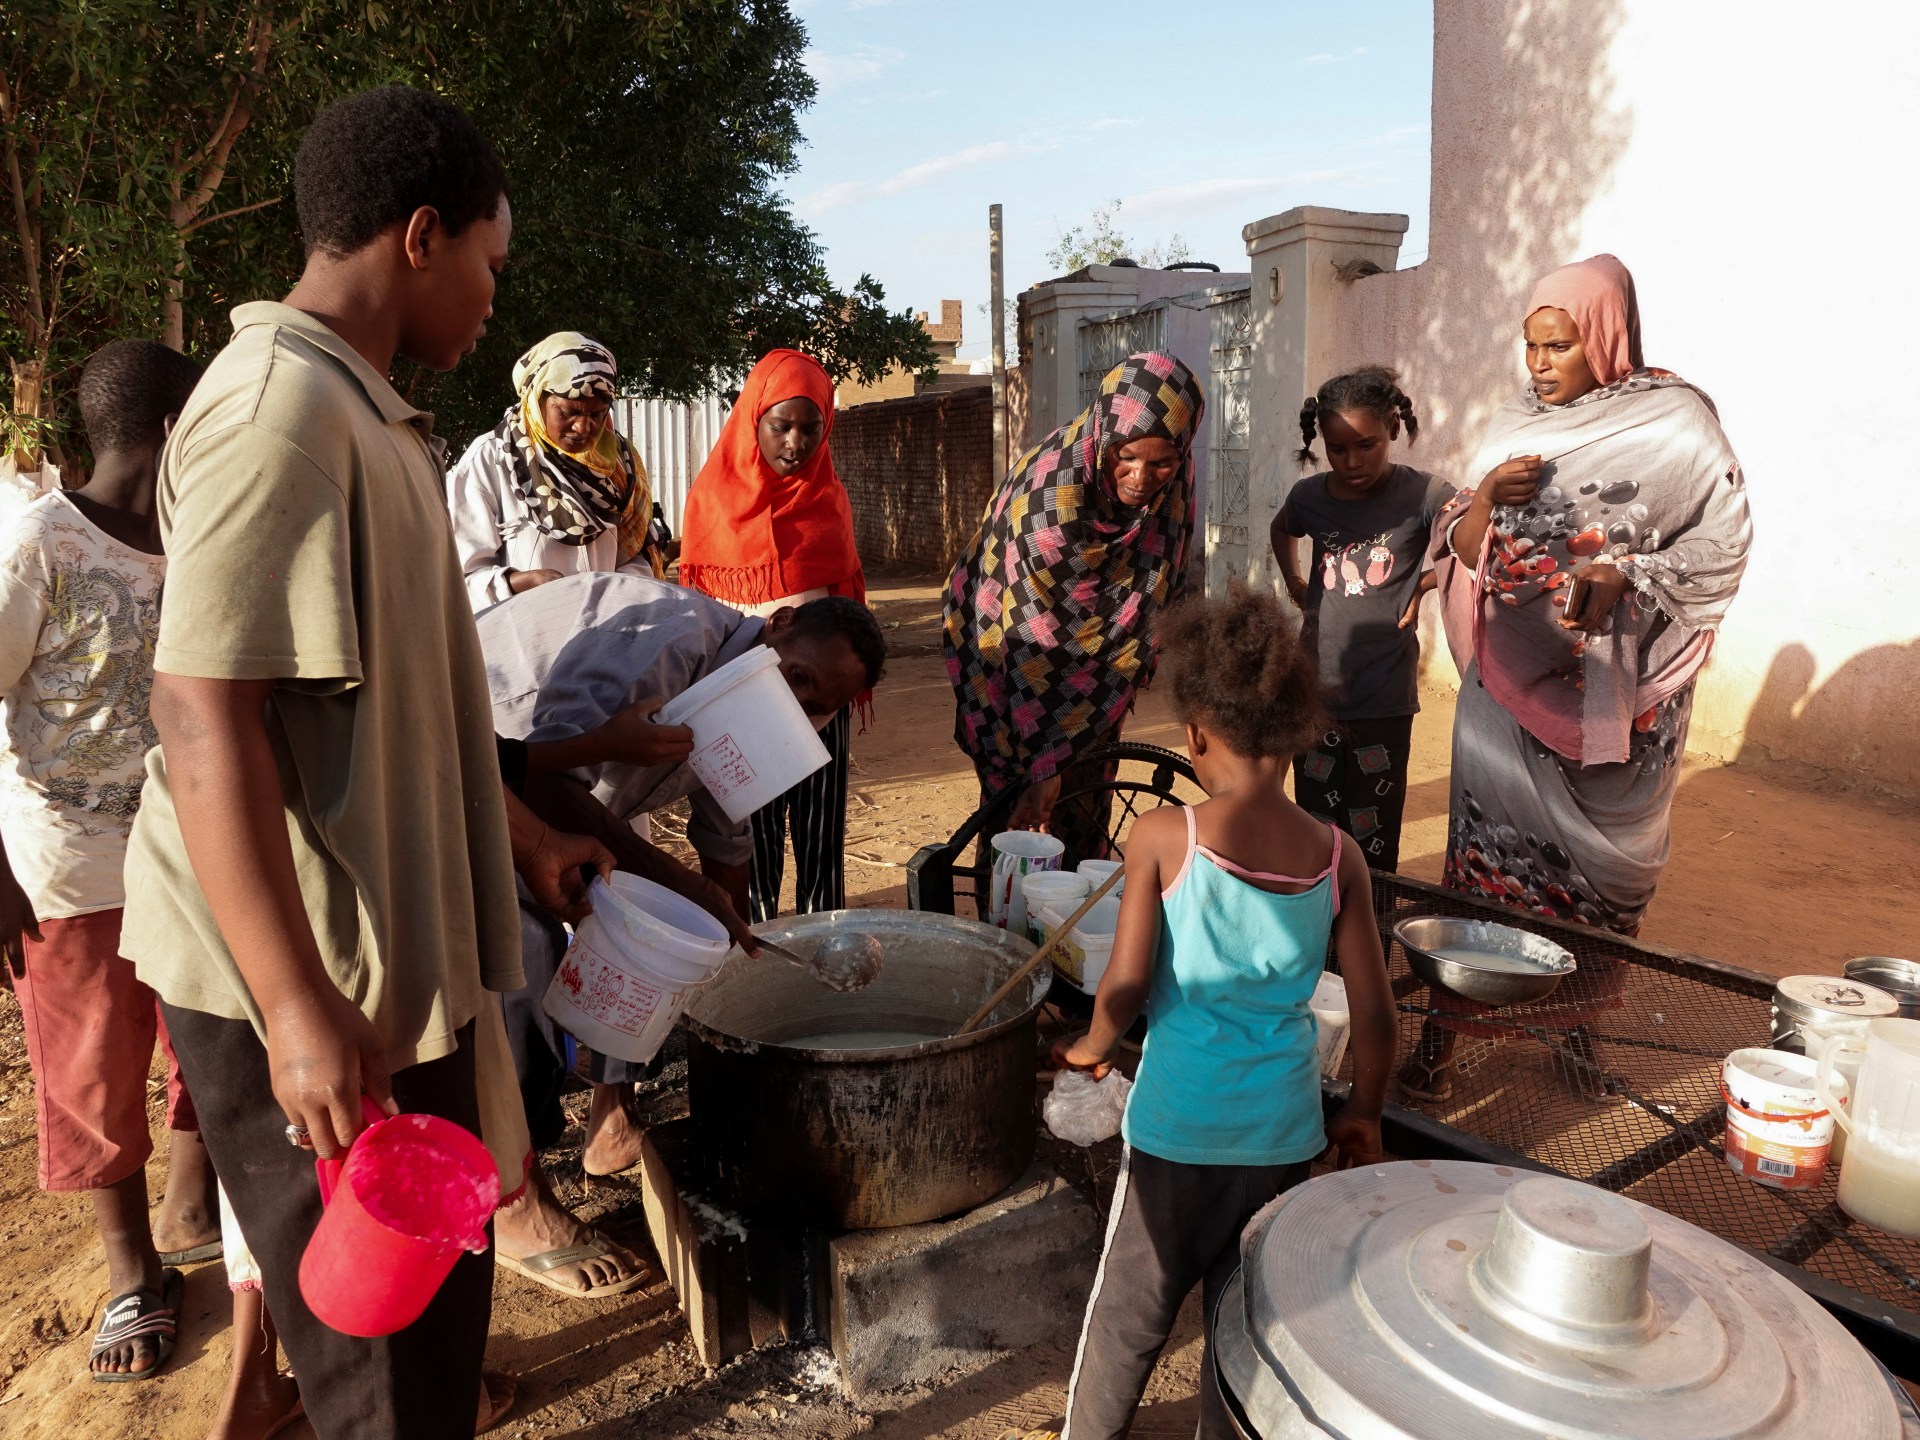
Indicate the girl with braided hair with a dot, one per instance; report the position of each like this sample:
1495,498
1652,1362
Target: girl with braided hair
1230,908
1369,520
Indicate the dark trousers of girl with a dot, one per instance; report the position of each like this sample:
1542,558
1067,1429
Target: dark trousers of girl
815,812
1172,1226
421,1383
1356,778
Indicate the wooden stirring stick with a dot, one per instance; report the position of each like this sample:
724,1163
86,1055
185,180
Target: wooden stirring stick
1041,953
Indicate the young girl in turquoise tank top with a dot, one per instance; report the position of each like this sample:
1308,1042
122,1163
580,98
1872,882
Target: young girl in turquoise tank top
1224,928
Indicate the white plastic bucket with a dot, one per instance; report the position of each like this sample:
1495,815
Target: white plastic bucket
1097,872
1778,1132
751,740
1082,957
1060,890
1331,1020
1017,854
625,978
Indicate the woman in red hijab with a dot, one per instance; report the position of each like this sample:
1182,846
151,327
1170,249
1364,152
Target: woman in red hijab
768,526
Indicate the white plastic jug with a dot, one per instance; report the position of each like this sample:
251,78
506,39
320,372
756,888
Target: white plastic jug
1016,855
1880,1175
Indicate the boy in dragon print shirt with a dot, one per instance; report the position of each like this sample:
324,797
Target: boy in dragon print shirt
1369,520
80,576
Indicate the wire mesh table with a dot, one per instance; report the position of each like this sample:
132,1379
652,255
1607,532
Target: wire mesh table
1634,1105
1614,1079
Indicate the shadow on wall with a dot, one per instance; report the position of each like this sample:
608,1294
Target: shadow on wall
1527,130
1792,717
1526,133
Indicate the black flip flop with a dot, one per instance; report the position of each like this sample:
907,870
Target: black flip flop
133,1315
212,1250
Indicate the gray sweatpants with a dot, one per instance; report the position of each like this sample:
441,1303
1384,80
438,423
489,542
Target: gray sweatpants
1172,1226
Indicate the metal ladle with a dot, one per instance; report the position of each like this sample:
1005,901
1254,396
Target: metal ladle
842,962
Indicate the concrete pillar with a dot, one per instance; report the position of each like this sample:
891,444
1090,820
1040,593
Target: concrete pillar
1300,260
1054,311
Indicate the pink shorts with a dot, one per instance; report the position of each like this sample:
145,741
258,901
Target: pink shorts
90,1028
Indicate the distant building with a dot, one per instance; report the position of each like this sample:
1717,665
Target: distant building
897,384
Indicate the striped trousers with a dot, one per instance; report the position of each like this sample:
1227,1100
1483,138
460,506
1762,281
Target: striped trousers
815,812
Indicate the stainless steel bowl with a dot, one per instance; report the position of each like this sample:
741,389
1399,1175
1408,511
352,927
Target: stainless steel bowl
1899,978
1425,936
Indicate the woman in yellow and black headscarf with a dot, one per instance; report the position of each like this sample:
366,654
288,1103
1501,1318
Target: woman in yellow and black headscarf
553,489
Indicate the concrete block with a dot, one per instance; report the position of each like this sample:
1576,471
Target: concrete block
703,1247
908,1305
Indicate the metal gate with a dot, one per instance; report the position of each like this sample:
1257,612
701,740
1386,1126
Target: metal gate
1105,342
1228,537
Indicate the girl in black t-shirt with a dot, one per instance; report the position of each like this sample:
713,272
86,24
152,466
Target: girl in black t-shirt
1370,521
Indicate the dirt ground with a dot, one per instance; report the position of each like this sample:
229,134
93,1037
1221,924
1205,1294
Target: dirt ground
1780,872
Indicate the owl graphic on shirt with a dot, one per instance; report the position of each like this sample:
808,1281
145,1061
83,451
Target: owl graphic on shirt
1353,569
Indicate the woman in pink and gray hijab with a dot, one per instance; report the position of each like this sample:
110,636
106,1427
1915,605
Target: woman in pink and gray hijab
1585,578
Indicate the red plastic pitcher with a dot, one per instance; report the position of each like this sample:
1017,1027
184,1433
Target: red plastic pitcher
413,1192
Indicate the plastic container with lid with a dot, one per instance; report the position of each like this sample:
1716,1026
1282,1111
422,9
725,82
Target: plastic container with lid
1063,890
1082,957
1779,1133
1097,871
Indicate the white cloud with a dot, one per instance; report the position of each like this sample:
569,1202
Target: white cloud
1395,135
831,70
1202,195
911,177
1323,58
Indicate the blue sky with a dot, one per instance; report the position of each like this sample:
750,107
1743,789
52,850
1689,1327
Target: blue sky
1198,118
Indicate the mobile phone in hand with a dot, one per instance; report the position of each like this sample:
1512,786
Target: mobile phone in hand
1576,599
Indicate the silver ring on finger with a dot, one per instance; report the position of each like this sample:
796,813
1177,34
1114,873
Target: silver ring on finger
299,1137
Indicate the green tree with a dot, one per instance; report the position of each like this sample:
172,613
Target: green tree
148,148
1100,242
645,209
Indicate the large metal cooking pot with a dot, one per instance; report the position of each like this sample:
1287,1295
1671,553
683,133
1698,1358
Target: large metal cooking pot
859,1139
1441,1300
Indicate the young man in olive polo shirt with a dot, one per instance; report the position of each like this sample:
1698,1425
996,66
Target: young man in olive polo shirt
320,884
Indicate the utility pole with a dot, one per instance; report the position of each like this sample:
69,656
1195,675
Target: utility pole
996,309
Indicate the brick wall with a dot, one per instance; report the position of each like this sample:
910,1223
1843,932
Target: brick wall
919,472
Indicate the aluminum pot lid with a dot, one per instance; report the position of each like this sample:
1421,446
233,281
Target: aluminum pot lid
1817,994
1445,1300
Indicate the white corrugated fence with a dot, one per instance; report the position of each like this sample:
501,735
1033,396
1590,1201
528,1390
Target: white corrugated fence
673,438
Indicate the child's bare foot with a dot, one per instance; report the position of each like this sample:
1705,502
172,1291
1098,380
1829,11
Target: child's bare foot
260,1401
259,1412
613,1134
186,1225
539,1238
496,1399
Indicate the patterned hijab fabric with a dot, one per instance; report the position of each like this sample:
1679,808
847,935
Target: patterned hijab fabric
1049,614
1638,471
574,496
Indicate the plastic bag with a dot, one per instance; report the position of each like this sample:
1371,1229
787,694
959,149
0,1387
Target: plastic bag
1084,1111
